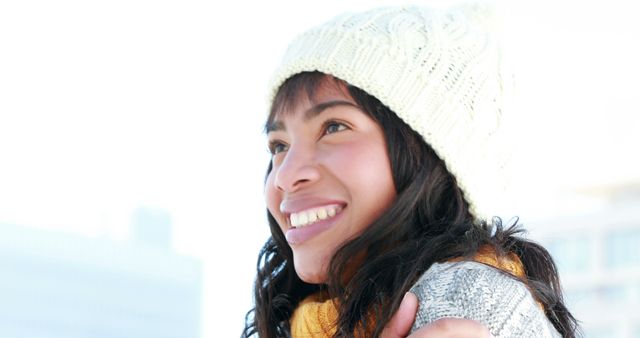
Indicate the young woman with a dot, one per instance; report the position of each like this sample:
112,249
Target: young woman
384,161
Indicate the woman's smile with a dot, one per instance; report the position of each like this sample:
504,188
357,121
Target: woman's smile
303,232
306,217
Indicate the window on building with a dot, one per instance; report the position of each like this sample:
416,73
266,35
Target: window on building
621,248
602,332
614,293
572,254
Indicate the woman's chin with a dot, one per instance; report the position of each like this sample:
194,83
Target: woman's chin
314,280
312,276
311,265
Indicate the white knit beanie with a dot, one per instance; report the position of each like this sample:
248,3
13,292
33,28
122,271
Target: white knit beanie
439,70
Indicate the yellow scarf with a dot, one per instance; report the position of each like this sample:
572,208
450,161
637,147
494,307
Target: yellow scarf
316,315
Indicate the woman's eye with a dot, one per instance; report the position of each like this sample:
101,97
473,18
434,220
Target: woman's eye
333,127
276,147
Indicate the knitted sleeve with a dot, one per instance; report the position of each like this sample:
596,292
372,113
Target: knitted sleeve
479,292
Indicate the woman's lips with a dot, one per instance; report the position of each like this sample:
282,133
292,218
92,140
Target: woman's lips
300,234
309,216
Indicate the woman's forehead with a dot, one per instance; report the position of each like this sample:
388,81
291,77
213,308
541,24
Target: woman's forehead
306,91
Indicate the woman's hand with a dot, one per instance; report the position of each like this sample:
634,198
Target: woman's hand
400,324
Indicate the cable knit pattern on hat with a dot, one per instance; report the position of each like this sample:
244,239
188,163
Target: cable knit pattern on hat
476,291
439,70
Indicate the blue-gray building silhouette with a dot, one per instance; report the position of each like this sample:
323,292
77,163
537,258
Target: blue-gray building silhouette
55,285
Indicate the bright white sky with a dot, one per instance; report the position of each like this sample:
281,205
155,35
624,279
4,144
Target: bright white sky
107,106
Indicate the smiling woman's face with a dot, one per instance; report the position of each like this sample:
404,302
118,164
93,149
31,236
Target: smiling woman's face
330,178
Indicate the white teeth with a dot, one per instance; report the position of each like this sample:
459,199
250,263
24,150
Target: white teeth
312,216
307,217
331,212
302,218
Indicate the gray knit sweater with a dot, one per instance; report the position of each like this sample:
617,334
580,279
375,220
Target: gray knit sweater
476,291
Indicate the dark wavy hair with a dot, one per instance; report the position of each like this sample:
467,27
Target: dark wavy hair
429,222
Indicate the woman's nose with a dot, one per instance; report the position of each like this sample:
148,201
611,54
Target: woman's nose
297,170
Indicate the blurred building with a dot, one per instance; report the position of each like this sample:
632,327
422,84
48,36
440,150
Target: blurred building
598,255
55,285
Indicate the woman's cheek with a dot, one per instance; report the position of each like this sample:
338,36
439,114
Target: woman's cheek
361,160
272,196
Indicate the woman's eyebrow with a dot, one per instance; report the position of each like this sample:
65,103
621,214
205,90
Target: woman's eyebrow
272,126
321,107
310,113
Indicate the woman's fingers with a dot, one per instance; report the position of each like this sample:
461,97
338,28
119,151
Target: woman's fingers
453,328
401,322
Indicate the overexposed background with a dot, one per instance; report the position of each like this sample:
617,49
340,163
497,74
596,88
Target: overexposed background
107,107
